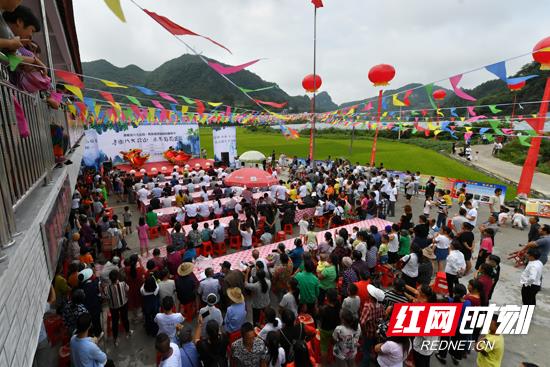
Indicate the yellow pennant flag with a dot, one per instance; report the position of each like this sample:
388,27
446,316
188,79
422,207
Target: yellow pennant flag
439,112
184,109
112,84
431,126
397,102
462,118
72,109
468,128
151,114
385,114
282,117
436,132
75,90
215,104
97,109
115,7
351,112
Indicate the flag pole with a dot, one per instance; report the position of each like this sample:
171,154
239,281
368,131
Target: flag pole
312,131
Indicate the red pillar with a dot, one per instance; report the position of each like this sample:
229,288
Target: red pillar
373,151
524,186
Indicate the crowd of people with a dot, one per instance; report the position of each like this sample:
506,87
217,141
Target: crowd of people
319,302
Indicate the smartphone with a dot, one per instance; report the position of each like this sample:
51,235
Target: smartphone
205,314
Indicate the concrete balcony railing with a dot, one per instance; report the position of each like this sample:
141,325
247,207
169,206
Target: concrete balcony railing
25,163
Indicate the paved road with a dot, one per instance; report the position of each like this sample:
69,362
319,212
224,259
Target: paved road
507,170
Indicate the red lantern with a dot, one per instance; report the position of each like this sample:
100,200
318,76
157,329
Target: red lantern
312,83
381,75
439,94
541,53
516,87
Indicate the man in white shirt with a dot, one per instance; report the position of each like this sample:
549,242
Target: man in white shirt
392,193
209,286
531,277
169,352
494,202
281,192
167,320
177,188
471,214
204,210
302,190
190,187
191,210
143,193
157,191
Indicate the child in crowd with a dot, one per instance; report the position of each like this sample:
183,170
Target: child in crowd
427,207
127,219
383,250
143,235
352,301
486,246
346,339
503,216
303,224
518,219
311,240
86,256
448,199
206,233
354,231
323,263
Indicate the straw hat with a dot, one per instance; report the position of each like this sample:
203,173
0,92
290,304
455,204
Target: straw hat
235,294
377,293
185,269
428,252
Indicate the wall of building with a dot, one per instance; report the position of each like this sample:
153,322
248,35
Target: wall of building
24,277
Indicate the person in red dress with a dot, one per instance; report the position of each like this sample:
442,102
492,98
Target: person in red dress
134,278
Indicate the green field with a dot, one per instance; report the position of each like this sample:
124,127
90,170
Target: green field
394,154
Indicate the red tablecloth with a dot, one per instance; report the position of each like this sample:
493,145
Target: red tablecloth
246,255
300,213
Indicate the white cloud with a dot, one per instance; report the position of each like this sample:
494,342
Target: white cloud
425,40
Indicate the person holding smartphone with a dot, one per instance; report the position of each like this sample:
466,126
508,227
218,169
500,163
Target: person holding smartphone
210,312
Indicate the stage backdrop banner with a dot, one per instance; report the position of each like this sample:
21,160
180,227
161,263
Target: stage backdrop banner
225,141
152,139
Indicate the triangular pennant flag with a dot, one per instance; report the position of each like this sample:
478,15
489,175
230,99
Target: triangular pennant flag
406,97
188,100
429,90
134,100
115,7
178,30
200,106
184,109
524,140
215,104
317,3
459,92
70,78
167,97
494,109
112,84
75,90
14,61
245,90
227,70
145,91
396,102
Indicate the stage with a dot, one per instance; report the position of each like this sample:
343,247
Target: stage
148,167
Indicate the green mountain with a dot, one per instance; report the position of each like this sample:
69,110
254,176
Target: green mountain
189,76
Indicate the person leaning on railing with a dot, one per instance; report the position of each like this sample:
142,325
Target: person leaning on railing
17,27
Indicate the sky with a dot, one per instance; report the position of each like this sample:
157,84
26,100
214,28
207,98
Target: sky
425,40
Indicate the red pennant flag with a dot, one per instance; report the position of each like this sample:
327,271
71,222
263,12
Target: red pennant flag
178,30
272,104
317,3
70,78
406,100
200,107
108,97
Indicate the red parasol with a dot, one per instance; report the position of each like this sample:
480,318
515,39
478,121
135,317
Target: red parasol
250,177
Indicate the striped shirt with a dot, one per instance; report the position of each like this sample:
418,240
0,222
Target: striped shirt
117,295
392,297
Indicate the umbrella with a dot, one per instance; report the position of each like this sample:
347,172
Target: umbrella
250,177
252,156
